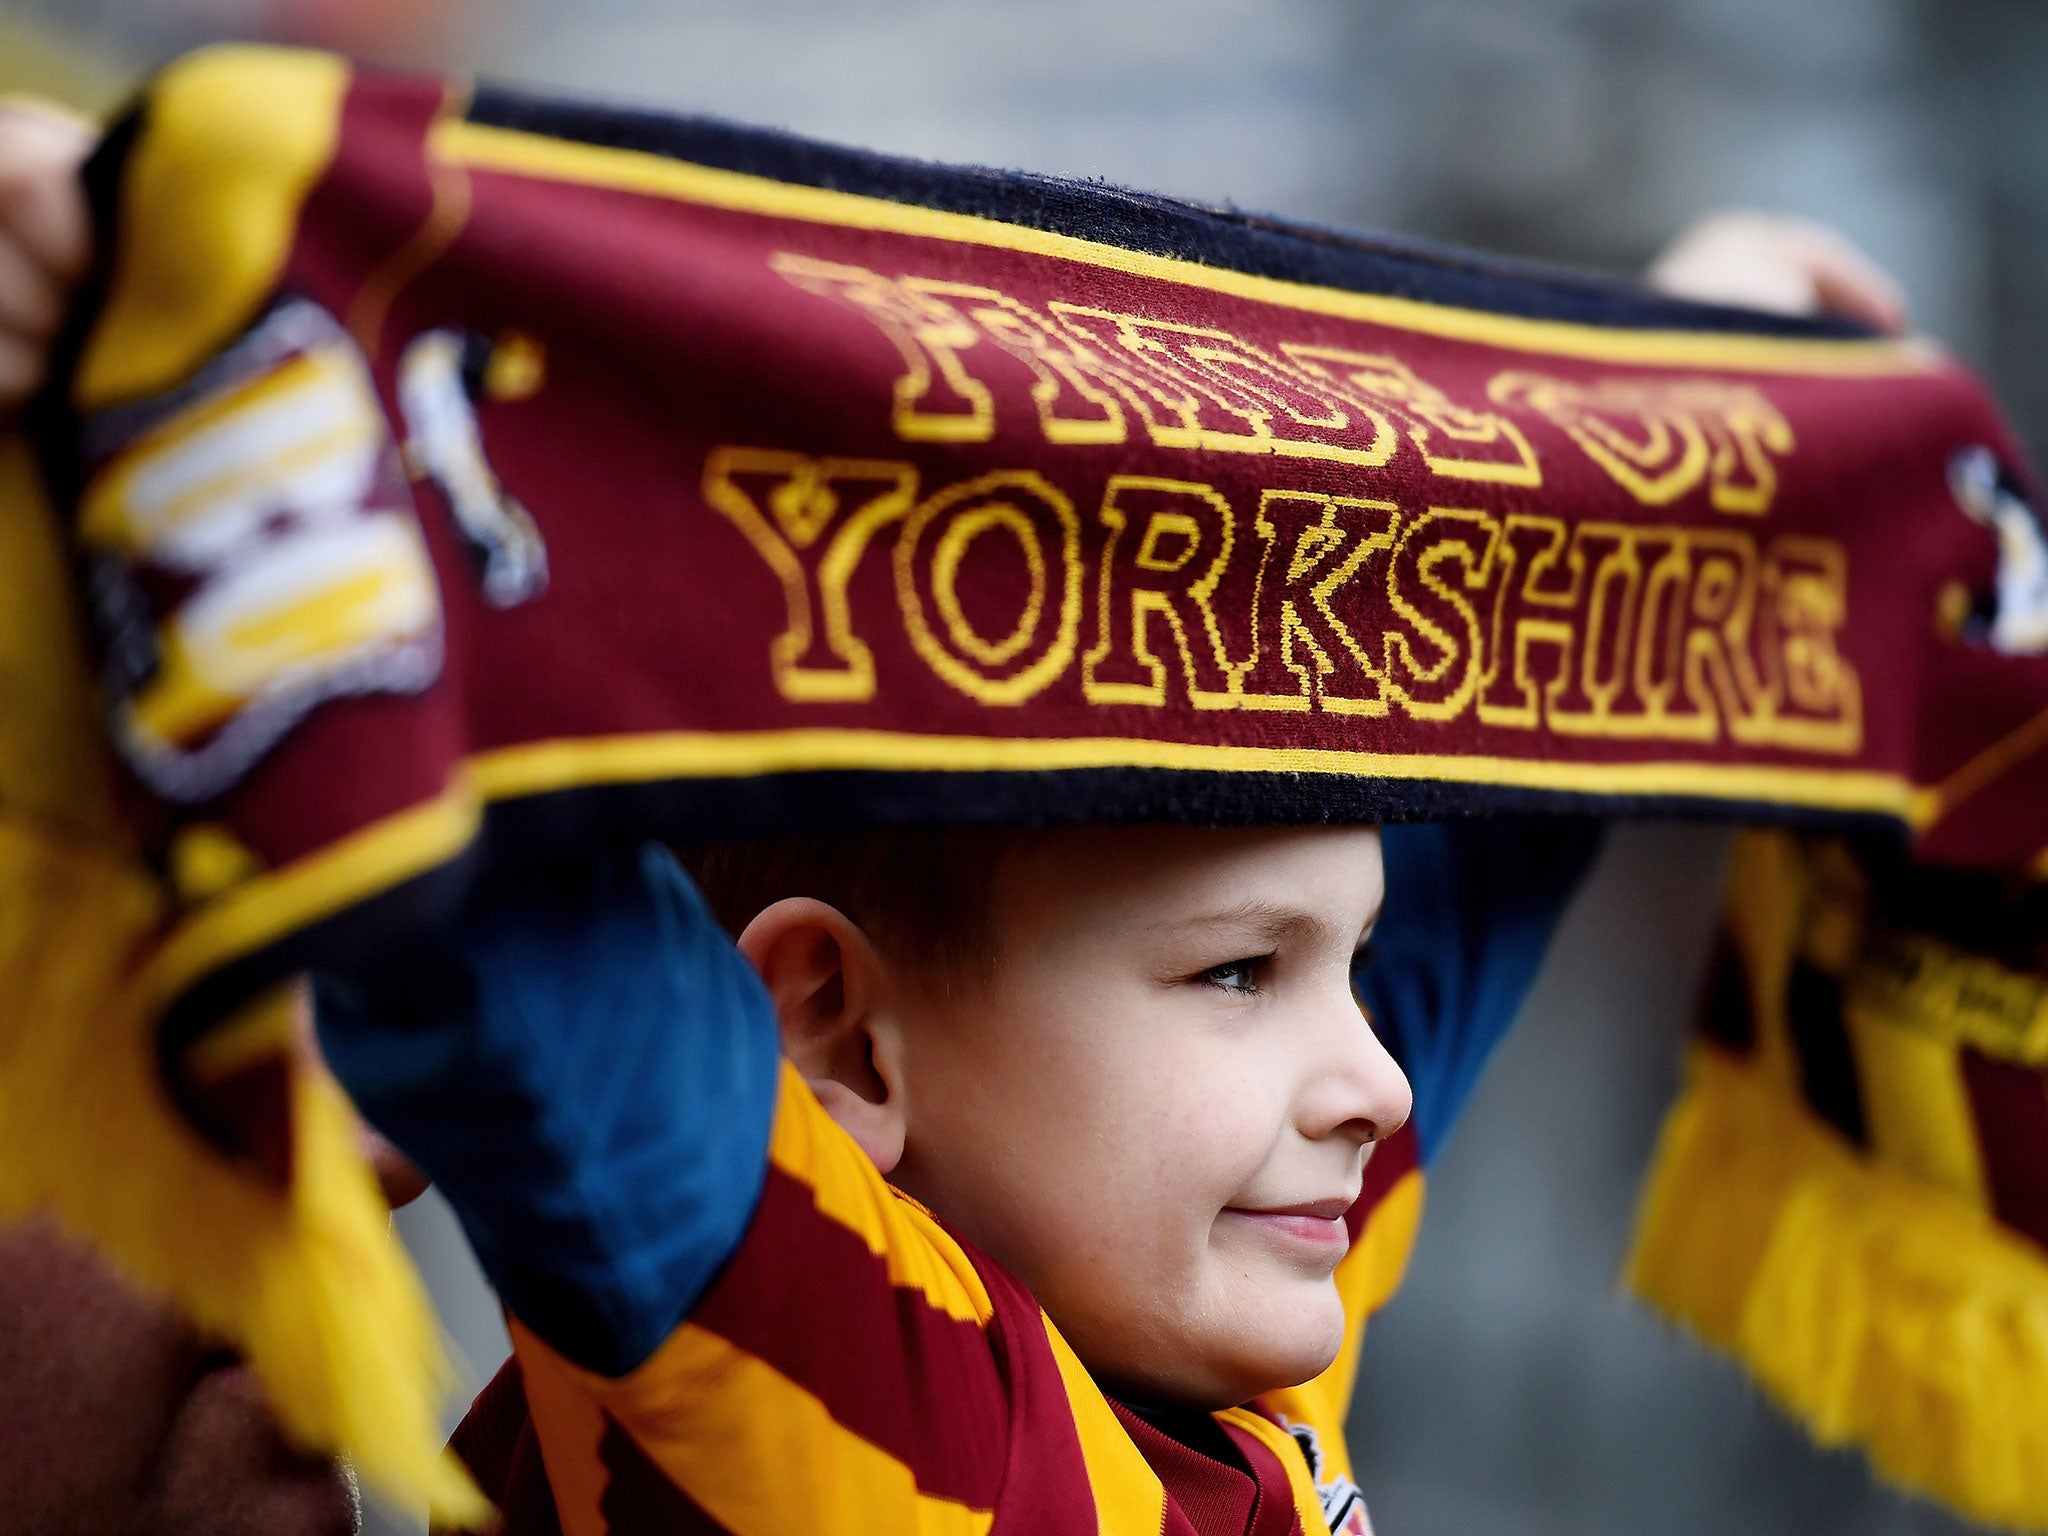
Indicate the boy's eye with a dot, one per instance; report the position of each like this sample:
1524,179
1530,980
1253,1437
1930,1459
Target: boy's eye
1235,975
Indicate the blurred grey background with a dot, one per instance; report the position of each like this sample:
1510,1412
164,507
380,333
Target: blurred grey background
1508,1388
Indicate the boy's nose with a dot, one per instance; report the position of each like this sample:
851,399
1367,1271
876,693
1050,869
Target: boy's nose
1360,1091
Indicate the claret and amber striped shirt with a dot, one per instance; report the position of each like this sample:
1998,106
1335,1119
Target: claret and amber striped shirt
724,1318
856,1367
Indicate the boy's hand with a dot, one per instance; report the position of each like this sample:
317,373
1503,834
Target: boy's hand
1773,261
45,236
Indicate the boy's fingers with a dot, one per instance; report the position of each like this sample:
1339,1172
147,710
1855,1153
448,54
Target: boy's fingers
31,298
45,236
42,205
21,371
1847,282
1733,258
1779,263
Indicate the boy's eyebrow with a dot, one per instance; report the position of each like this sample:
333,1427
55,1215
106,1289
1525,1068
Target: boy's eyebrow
1271,921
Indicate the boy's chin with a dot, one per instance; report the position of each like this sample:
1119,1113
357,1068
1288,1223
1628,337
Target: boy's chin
1224,1344
1291,1362
1291,1339
1217,1372
1301,1335
1248,1373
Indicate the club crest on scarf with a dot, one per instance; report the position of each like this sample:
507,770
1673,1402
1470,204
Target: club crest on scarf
2013,617
252,552
440,378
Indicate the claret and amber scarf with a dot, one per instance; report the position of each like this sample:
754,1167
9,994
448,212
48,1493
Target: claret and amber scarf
449,480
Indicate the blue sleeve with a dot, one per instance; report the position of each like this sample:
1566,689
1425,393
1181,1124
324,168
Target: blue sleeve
1470,910
588,1071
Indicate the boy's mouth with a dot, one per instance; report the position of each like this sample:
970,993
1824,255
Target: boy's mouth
1332,1209
1317,1225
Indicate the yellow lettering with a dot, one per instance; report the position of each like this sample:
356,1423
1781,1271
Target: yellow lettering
936,400
1815,695
1074,406
1434,658
1209,389
811,521
1660,439
1455,442
1312,549
1168,548
994,658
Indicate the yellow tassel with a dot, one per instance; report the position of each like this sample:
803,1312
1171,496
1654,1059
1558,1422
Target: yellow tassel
1878,1311
308,1284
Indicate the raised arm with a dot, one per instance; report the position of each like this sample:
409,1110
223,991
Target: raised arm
718,1304
588,1070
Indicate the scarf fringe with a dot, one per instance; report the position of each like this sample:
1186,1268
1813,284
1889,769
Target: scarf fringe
308,1283
1877,1311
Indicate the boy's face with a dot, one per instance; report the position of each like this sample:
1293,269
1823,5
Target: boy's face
1159,1107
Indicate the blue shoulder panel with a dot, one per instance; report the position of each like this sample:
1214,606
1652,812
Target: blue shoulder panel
1470,909
588,1070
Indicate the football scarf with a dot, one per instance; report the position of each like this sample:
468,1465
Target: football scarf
448,480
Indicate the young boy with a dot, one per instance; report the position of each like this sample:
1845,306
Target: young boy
1116,1073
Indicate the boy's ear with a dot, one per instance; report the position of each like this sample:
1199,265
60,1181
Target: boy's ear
829,985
